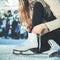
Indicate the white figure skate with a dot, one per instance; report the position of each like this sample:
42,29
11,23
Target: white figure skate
31,42
54,48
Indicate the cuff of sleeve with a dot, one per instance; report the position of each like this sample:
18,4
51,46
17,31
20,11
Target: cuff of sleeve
52,25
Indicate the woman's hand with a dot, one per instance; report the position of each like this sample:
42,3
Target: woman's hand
28,27
39,28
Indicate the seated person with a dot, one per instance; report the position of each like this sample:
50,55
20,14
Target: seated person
40,21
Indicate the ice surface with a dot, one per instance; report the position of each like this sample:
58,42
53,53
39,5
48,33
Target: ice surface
7,49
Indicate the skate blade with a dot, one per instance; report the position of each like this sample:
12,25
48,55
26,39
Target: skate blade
55,54
18,52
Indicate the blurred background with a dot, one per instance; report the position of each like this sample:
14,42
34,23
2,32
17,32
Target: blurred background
9,21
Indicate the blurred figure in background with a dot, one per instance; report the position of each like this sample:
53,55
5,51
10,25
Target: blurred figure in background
7,28
15,29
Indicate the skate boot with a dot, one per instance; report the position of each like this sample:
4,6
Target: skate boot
54,48
31,42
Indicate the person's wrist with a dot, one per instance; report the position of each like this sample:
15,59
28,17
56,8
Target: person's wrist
44,29
45,26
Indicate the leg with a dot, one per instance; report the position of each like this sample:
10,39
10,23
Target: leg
37,14
55,35
37,18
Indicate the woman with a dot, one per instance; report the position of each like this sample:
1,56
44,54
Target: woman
53,25
41,20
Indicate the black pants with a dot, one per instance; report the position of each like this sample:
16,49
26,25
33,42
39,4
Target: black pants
38,17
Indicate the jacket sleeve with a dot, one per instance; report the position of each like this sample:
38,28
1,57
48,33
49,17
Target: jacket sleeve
52,25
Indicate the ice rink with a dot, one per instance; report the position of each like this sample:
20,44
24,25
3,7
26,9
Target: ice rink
7,46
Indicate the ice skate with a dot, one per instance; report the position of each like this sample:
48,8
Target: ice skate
54,48
31,42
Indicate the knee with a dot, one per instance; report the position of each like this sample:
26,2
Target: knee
38,5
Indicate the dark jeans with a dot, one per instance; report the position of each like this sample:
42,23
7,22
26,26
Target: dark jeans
39,15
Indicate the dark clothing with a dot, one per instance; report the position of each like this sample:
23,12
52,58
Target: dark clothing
7,29
15,30
40,15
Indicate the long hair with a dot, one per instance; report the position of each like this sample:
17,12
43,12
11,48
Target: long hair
24,11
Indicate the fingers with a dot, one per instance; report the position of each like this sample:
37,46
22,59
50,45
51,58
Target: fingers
28,28
34,31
